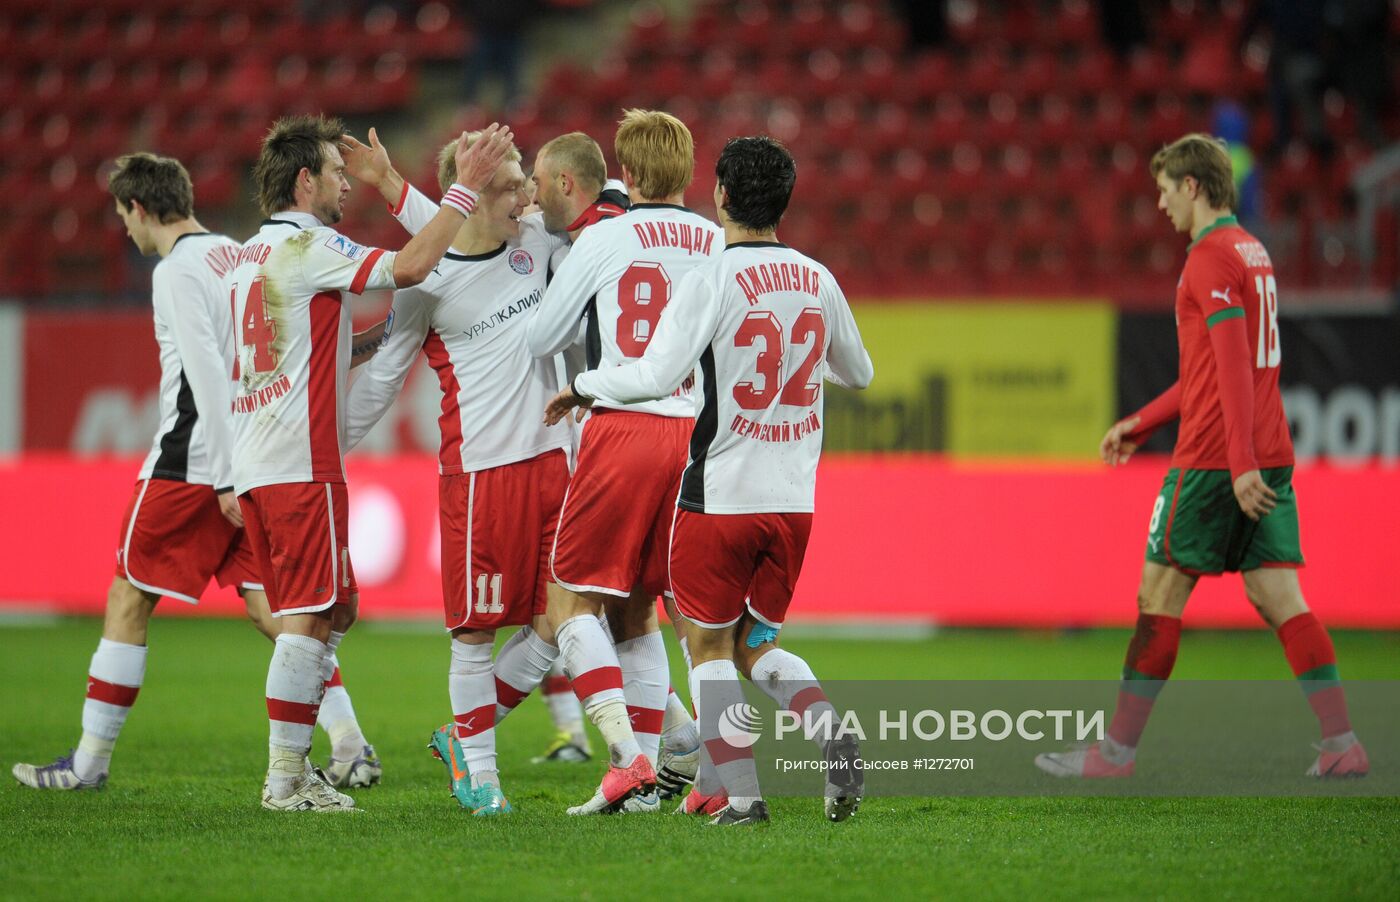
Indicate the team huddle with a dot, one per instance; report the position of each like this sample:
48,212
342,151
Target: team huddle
700,350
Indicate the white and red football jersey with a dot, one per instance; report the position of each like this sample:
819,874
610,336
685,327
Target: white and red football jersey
619,277
469,318
292,328
765,324
195,337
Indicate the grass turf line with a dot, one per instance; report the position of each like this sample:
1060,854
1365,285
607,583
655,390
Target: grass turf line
181,818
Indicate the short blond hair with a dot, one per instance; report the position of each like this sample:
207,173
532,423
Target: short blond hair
447,159
656,148
1206,159
581,157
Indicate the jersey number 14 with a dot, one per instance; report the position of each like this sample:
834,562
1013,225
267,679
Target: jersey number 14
257,329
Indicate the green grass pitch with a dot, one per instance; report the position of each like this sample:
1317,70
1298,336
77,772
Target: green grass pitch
180,817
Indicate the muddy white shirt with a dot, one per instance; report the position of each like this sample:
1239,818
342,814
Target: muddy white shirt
292,328
764,324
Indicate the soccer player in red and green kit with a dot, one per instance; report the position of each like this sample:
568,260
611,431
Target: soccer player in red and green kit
1227,503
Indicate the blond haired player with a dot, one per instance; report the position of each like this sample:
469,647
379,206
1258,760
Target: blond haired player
615,527
1227,503
183,524
292,323
503,474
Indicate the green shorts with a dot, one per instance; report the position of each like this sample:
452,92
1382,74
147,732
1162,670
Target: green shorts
1197,525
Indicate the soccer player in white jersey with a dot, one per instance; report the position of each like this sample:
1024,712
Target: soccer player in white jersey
503,473
292,329
183,524
569,170
765,324
615,527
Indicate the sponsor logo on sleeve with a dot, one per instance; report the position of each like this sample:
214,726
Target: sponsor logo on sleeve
1222,296
345,247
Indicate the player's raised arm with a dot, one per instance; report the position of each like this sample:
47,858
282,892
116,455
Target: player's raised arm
379,382
202,360
476,164
370,165
686,326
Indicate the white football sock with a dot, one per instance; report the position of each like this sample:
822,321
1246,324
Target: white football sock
472,689
592,665
294,688
645,684
337,716
789,681
715,686
114,678
678,730
564,708
685,651
520,666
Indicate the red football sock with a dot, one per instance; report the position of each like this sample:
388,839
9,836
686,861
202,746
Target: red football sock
1151,655
1309,651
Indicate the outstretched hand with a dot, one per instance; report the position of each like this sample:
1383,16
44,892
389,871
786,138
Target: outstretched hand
560,405
365,163
1115,448
476,165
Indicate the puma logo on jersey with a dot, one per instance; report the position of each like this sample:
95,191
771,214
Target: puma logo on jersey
1223,295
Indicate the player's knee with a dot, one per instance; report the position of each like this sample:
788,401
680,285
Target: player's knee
745,657
128,603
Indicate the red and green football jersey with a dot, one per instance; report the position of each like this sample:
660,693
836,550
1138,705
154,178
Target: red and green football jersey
1228,276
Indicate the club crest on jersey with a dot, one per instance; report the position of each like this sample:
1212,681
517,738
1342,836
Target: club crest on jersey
521,261
345,247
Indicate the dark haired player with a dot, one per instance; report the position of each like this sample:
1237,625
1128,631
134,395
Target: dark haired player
764,324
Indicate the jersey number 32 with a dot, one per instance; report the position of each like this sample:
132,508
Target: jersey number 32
801,389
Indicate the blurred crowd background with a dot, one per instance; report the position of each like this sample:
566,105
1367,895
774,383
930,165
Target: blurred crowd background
947,148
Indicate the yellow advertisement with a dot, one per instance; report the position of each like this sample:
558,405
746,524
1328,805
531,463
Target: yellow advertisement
990,378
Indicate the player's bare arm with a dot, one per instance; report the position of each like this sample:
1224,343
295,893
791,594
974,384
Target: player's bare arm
370,164
475,167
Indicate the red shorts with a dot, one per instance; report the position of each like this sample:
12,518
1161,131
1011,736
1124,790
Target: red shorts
497,529
174,537
300,533
615,529
719,559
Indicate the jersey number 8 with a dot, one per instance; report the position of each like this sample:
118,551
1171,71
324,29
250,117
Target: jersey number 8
642,293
